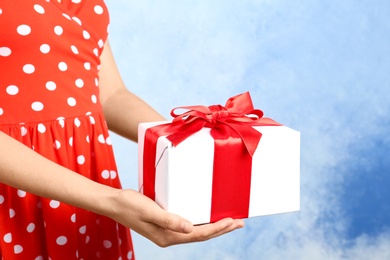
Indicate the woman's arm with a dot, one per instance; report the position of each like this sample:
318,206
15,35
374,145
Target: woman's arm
122,109
24,169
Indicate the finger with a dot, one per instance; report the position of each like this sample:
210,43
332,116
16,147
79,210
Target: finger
200,233
208,231
237,224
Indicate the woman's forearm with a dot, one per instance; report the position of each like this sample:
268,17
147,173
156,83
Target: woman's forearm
22,168
124,111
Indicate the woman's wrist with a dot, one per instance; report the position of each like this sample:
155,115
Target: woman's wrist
104,200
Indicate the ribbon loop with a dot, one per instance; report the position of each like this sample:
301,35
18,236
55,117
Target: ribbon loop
238,115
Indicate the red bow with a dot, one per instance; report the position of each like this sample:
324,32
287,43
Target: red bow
235,118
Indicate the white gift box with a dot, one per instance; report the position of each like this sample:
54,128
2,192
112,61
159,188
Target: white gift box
183,184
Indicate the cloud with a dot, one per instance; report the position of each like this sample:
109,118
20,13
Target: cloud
321,68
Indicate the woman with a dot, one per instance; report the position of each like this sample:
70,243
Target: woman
60,92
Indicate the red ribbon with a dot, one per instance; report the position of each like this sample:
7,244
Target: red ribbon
235,142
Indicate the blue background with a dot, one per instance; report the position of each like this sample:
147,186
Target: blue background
320,67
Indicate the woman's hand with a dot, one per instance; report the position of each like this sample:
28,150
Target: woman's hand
147,218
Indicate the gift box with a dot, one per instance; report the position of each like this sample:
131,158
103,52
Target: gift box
220,161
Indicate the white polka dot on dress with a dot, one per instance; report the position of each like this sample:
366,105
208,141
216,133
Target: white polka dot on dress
11,213
71,101
45,48
105,174
61,240
23,131
37,106
73,218
18,249
77,122
74,49
12,90
86,35
61,121
107,244
98,9
108,141
94,99
7,238
23,29
101,43
54,204
5,51
80,159
66,16
57,144
39,9
1,111
28,68
83,229
101,139
1,199
113,174
21,193
79,83
87,65
41,128
58,30
30,228
50,85
77,20
62,66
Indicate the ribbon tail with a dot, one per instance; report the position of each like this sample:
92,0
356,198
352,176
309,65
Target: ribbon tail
149,158
231,176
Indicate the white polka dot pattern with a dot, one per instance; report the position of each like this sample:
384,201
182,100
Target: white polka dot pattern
24,29
12,90
44,48
5,51
49,100
28,68
39,9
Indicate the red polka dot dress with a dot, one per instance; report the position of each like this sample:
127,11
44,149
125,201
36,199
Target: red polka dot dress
49,101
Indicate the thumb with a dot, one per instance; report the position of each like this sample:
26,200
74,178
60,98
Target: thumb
174,223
